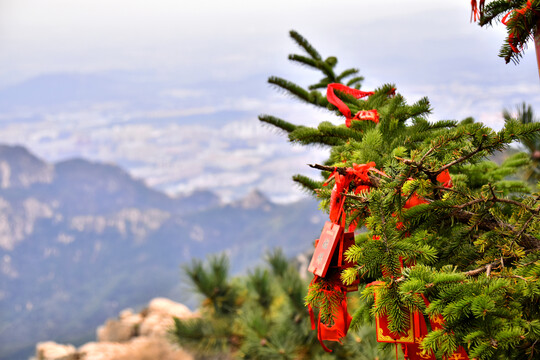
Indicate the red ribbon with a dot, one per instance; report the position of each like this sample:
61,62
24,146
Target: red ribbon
505,21
337,200
339,329
361,171
342,319
334,100
364,115
342,182
445,178
370,115
476,10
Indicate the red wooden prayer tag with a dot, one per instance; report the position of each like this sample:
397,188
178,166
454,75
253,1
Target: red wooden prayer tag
326,245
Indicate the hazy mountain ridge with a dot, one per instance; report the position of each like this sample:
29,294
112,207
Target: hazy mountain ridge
81,240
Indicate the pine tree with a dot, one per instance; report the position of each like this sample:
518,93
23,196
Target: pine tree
469,246
522,21
258,316
525,114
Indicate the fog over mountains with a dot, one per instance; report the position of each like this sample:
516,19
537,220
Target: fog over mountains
177,139
80,240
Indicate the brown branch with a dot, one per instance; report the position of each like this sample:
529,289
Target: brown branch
518,277
461,159
528,241
494,199
520,233
472,202
356,197
426,155
494,196
517,203
480,270
340,170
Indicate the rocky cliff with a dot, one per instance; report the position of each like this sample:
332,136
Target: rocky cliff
130,336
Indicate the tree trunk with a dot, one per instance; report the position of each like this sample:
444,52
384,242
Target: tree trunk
537,44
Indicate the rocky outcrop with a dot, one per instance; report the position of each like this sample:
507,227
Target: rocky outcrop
52,351
133,336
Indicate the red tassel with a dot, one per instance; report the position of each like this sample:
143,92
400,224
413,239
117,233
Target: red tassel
474,11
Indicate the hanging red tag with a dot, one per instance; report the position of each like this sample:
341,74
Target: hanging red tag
324,250
437,323
383,332
340,263
385,335
413,351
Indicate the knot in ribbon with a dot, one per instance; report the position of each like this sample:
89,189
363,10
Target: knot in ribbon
370,115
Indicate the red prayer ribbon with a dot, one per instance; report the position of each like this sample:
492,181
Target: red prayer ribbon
342,319
476,10
505,21
334,100
364,115
370,115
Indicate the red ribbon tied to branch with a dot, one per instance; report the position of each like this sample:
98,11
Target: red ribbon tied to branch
358,173
369,115
505,21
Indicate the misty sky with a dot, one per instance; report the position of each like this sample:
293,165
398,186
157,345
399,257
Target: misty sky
193,49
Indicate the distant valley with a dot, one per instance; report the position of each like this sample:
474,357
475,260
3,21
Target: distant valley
81,240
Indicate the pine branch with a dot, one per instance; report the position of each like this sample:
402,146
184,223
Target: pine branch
290,87
460,159
528,241
480,270
355,82
279,123
302,42
307,183
347,73
495,199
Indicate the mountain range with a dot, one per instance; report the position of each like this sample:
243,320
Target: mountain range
80,240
